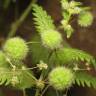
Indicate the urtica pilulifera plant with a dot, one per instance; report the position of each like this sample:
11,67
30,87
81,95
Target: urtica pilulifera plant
58,65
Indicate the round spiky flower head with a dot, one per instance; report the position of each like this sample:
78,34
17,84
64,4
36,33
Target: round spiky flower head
61,78
16,48
85,19
51,39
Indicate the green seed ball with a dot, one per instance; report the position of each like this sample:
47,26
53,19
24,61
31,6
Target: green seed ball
85,19
51,39
61,78
16,48
3,61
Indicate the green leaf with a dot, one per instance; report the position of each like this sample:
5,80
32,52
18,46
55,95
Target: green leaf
26,79
42,20
85,79
67,55
3,61
5,76
37,51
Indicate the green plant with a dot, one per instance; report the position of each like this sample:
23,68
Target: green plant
59,65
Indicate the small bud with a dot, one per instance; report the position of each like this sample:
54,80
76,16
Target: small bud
77,10
65,5
72,4
23,68
14,80
40,84
69,30
76,68
64,23
42,65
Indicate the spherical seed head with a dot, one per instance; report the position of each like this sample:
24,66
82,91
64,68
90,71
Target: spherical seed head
16,48
3,61
61,78
85,19
51,39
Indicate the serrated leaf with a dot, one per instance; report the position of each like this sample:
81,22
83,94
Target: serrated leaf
42,20
5,76
26,79
67,55
85,79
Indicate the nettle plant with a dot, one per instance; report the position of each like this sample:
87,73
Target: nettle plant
58,65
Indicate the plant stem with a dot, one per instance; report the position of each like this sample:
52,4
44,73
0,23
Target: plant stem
37,92
32,76
32,42
57,94
18,22
45,89
24,92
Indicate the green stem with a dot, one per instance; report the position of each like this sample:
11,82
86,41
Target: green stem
18,22
32,42
37,92
31,76
9,61
24,92
57,94
45,90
